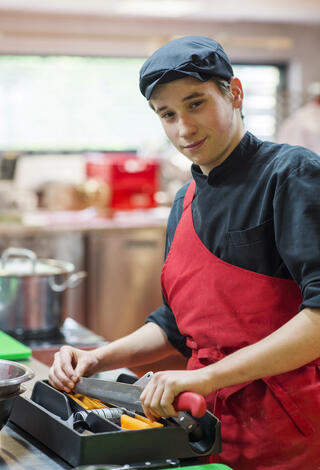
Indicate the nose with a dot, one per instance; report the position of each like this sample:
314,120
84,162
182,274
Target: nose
187,126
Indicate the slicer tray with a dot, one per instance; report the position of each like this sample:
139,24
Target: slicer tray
46,416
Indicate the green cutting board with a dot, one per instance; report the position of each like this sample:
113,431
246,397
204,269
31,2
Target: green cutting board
208,466
12,349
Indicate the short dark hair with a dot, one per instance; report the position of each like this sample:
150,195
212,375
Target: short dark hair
222,85
224,88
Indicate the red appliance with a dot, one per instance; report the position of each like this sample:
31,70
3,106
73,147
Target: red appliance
133,181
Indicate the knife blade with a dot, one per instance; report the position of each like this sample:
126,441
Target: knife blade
114,393
128,395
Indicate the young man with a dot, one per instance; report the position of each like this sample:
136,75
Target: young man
241,280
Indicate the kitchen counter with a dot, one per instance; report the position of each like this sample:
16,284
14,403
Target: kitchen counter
19,451
83,221
75,334
71,333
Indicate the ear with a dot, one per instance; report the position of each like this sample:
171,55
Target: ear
237,92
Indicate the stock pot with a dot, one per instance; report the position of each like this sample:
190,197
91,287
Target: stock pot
33,292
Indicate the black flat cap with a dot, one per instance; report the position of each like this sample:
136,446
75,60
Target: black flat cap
195,56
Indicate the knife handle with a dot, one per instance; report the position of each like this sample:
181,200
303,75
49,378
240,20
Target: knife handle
190,401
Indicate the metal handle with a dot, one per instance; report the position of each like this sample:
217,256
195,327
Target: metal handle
18,253
144,380
71,282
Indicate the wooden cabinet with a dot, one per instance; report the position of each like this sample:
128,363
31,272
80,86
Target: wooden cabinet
124,267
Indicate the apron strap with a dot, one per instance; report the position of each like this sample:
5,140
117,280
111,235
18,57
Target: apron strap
189,194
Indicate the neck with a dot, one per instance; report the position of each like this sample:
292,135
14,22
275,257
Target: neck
237,134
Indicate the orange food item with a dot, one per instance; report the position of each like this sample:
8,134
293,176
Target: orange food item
132,423
138,422
154,424
86,402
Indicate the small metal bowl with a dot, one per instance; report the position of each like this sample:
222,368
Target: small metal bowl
12,375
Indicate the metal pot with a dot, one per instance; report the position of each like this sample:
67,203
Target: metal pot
32,292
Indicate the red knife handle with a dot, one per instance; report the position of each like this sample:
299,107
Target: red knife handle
190,401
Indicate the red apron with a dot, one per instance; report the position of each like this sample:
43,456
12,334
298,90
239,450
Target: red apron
272,423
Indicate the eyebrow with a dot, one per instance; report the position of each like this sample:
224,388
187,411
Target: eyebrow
196,94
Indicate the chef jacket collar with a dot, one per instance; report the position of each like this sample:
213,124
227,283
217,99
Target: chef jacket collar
236,161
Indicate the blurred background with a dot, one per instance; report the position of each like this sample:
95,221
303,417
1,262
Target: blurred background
69,69
86,172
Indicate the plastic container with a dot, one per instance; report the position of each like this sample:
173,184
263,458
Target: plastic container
48,417
133,181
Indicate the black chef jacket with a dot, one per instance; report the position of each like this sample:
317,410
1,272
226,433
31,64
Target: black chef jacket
258,210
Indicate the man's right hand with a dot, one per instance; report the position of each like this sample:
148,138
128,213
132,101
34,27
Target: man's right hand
69,365
147,344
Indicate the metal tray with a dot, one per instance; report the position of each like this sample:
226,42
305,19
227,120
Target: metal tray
46,416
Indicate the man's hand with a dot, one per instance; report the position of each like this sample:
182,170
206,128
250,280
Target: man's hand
148,343
158,396
69,365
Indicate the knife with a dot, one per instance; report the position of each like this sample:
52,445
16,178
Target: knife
128,395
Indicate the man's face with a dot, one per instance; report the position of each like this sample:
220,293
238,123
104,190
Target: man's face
202,124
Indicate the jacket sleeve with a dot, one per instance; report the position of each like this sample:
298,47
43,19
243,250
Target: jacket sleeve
297,225
164,318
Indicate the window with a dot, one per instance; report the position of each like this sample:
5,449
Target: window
84,103
261,84
72,103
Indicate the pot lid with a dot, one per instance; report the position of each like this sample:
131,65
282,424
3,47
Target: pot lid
30,265
19,267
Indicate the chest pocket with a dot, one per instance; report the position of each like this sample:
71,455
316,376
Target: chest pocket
262,233
255,249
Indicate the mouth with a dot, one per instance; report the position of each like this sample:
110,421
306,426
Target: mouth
194,145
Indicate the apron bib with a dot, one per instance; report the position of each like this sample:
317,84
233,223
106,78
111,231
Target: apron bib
272,423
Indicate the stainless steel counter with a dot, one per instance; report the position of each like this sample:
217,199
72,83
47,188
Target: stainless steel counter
18,453
17,450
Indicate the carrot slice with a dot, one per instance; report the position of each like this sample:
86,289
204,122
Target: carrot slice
132,423
154,424
86,402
